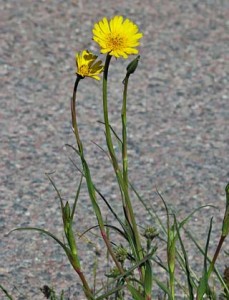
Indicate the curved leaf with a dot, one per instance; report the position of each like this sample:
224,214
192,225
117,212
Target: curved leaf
66,249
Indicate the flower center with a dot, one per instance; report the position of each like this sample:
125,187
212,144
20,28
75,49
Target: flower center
84,70
115,42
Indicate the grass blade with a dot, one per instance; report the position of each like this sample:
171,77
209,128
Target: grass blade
135,293
57,191
187,268
76,197
6,293
182,223
66,249
110,292
209,260
203,285
148,279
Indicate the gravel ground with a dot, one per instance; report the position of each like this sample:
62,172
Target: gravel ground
177,123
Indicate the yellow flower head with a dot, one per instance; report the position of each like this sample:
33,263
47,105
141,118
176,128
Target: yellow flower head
87,66
118,37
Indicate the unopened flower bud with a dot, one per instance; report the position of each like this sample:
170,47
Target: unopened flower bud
132,66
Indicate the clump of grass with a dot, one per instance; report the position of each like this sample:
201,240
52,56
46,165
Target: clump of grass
136,262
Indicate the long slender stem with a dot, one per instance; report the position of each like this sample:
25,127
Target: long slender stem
125,170
73,112
124,152
124,134
90,185
108,130
105,106
123,183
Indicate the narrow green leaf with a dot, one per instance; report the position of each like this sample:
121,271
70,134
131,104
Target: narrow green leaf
62,295
128,233
6,293
110,292
106,225
76,197
182,223
167,210
91,191
209,260
57,191
66,249
72,147
163,287
149,210
187,268
203,285
225,227
129,271
135,293
114,133
110,208
75,165
101,148
148,278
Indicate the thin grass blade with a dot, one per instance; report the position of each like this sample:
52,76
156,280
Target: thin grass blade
6,293
148,280
76,197
187,268
66,249
57,191
203,285
182,223
209,260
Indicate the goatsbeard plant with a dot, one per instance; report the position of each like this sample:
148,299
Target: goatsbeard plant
132,274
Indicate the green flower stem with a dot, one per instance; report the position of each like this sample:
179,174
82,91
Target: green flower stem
124,135
125,170
108,130
121,178
90,185
73,112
